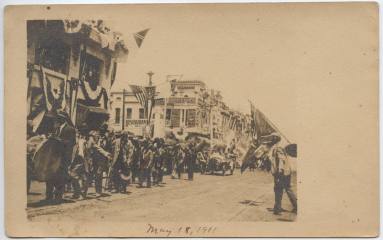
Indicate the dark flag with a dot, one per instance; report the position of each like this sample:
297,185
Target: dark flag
262,125
259,124
139,36
48,158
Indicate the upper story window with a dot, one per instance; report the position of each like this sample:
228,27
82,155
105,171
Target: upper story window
142,113
117,116
91,70
129,112
53,54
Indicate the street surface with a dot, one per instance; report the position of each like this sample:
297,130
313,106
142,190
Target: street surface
241,197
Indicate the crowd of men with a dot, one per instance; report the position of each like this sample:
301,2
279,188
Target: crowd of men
125,159
112,160
89,157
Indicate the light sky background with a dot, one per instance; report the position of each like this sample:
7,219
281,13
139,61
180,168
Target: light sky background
246,53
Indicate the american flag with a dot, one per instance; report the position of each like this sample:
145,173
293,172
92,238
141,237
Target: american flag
145,95
140,94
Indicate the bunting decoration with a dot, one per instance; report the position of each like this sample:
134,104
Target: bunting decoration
134,41
54,89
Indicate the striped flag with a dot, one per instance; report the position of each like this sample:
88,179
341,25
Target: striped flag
145,96
139,36
140,94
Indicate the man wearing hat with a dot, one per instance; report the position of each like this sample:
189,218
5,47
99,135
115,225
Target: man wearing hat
66,133
281,170
190,160
146,164
100,159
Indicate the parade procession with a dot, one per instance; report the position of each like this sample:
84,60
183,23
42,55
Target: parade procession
88,141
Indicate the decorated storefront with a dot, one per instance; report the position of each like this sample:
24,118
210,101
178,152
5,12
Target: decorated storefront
71,67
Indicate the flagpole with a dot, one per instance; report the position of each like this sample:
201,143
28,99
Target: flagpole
123,110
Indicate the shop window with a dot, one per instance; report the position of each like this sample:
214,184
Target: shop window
53,54
129,113
117,116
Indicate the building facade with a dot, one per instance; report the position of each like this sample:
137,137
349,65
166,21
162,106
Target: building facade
183,107
128,114
71,67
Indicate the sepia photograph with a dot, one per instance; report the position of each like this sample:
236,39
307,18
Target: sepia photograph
184,120
160,148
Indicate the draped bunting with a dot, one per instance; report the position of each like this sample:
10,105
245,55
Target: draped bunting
92,94
54,89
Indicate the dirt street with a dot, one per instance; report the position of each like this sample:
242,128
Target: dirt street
241,197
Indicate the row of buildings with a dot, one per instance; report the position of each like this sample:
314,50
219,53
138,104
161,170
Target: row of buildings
71,67
189,108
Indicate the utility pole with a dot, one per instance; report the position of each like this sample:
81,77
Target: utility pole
123,110
150,74
151,99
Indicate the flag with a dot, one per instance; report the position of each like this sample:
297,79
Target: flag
259,124
139,36
262,124
150,92
72,26
54,89
140,94
134,41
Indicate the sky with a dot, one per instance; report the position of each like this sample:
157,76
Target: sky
246,53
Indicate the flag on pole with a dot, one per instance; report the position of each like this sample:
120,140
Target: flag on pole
145,96
259,124
150,92
262,125
140,94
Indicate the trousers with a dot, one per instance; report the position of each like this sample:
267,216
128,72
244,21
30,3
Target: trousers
281,183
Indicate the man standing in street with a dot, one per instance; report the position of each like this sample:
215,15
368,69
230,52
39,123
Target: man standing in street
100,159
281,170
146,164
190,161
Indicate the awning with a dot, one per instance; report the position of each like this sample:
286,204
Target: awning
90,117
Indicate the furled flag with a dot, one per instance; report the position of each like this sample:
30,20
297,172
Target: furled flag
150,92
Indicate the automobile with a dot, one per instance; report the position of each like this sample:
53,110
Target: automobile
219,162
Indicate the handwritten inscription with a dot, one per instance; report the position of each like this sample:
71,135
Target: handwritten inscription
181,230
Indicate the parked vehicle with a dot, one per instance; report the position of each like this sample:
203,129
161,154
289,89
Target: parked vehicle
220,163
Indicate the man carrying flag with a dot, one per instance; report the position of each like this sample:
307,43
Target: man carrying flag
281,171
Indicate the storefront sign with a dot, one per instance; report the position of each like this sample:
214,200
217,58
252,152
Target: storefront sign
182,100
184,87
136,122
